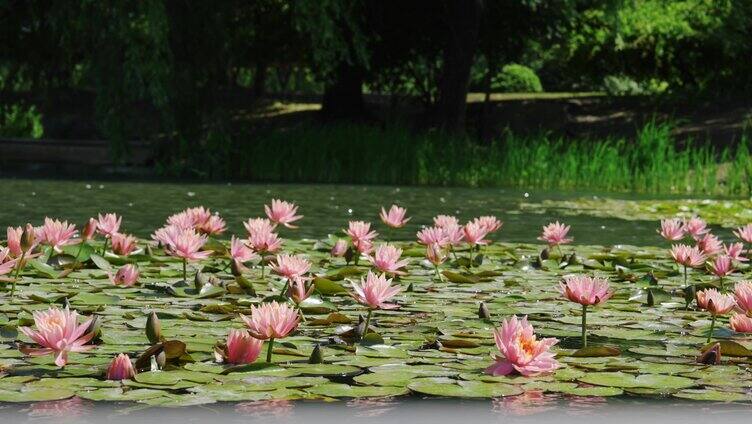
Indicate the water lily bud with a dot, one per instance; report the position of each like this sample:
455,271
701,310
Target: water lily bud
89,229
161,359
28,238
199,280
483,312
651,299
689,295
153,328
316,356
234,269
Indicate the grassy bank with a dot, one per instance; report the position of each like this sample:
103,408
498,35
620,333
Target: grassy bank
650,163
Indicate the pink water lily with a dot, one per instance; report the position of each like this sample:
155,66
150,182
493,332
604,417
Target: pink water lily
258,225
291,267
688,256
722,266
432,235
270,321
672,229
339,249
585,290
395,217
716,303
435,254
374,291
474,234
695,227
59,333
744,233
215,225
187,244
242,348
555,234
741,323
7,264
261,236
710,245
735,251
283,213
126,276
14,240
360,231
123,244
298,292
108,224
240,253
89,230
521,351
489,223
121,368
363,247
443,221
455,234
56,234
743,296
387,259
184,220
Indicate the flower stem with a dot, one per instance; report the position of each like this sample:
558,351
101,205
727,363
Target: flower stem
685,276
712,326
262,268
283,293
185,273
368,322
269,350
104,246
78,254
438,274
721,281
584,325
18,271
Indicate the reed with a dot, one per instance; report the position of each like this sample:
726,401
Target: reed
652,162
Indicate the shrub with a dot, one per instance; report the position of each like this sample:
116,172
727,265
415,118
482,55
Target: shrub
515,78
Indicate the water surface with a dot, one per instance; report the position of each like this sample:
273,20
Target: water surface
326,208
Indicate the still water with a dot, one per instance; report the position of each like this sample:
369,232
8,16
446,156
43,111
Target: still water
326,208
517,409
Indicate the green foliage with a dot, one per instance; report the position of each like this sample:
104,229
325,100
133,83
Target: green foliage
360,154
20,121
515,78
620,85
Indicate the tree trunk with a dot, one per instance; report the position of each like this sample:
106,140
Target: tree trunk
259,80
343,97
462,36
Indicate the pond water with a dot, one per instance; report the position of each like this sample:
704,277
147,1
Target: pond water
326,208
518,409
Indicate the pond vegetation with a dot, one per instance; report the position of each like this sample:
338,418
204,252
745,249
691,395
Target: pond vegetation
357,315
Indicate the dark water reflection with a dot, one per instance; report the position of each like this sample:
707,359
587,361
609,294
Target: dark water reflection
327,208
530,407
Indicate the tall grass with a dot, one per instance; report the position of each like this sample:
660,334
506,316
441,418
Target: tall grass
650,163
